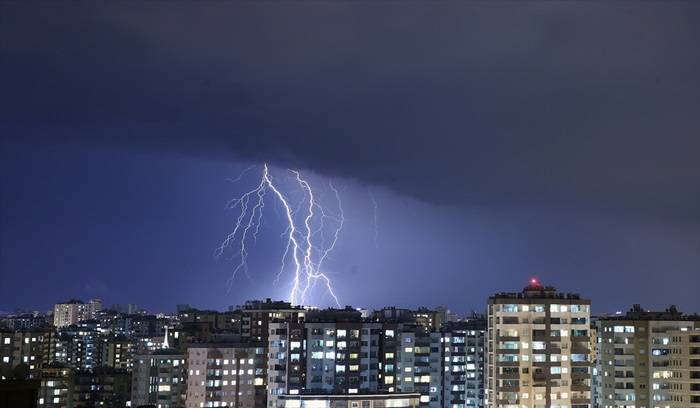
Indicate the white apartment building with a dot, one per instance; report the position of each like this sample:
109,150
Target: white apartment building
73,311
538,350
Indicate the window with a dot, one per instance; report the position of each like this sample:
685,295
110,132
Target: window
510,308
6,340
579,357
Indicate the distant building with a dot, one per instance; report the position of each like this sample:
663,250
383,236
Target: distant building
74,311
649,359
25,321
538,350
426,318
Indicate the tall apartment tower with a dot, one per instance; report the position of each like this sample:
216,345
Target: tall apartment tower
649,359
538,349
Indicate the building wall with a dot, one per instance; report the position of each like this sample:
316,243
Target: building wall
159,379
227,376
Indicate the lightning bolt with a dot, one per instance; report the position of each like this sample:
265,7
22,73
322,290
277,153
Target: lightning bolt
305,233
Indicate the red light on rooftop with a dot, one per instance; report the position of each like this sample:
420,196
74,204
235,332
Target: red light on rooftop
534,282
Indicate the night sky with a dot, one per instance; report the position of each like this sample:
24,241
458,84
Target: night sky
499,140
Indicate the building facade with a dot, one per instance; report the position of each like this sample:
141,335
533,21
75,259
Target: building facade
227,375
159,379
384,400
538,350
74,311
645,358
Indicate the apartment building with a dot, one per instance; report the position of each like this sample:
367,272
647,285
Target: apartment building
227,375
31,348
538,349
74,311
643,355
684,386
159,379
334,351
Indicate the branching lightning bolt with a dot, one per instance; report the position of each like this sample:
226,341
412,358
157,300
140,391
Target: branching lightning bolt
305,233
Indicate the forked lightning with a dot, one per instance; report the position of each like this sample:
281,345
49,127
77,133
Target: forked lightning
304,233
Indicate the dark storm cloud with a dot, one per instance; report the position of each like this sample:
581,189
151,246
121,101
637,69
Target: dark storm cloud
585,104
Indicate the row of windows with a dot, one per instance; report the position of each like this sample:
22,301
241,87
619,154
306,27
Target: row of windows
554,308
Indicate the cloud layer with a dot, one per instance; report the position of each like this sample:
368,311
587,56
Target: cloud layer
586,105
